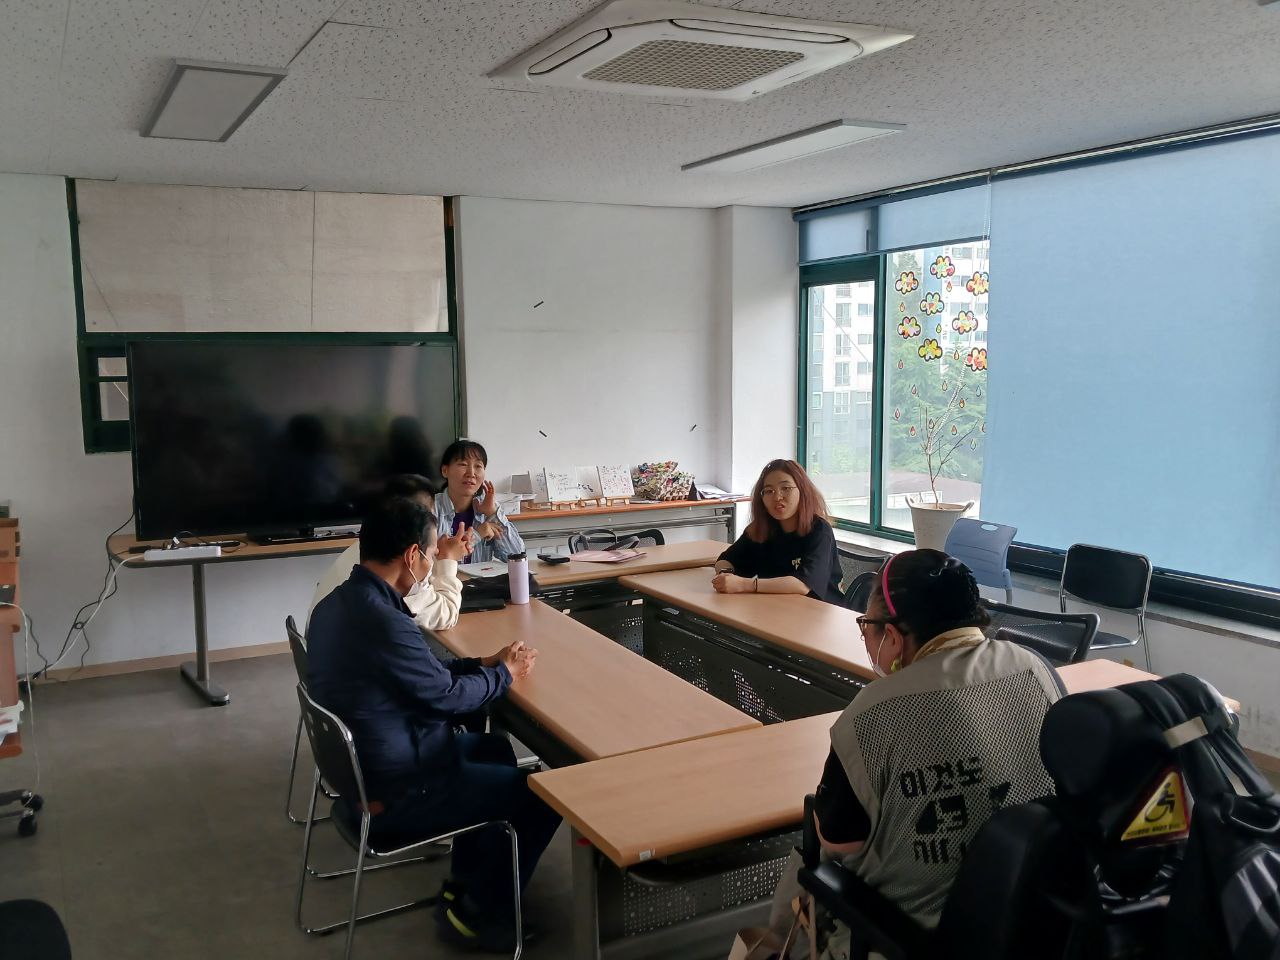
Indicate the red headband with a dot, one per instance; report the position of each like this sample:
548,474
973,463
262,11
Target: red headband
884,586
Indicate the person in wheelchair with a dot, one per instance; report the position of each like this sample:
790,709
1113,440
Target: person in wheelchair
925,755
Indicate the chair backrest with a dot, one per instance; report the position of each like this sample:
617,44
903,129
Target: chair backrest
1060,638
334,750
650,538
853,564
592,540
983,547
1110,578
858,593
297,647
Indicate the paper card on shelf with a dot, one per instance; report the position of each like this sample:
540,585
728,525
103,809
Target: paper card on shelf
539,478
588,483
561,485
615,481
608,556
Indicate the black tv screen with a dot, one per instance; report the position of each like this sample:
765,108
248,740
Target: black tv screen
266,437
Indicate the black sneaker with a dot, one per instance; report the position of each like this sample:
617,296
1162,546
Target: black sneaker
450,893
461,924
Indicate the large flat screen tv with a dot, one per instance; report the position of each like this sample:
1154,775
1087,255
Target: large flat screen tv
280,438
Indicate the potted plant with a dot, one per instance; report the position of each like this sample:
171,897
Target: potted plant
939,440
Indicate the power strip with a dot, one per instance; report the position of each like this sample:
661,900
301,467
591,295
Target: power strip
184,553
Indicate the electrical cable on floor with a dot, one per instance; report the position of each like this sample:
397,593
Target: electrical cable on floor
108,581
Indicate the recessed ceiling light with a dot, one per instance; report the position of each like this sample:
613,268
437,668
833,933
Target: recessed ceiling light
792,146
208,101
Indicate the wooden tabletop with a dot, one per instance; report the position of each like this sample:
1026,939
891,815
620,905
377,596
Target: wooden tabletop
1102,674
671,556
620,508
120,545
806,626
592,694
691,795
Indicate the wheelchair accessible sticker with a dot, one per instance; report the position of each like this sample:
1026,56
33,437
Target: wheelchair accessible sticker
1164,815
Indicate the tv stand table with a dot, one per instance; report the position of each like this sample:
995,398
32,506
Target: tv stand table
126,547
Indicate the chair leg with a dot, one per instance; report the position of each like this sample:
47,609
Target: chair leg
355,887
306,848
515,882
293,772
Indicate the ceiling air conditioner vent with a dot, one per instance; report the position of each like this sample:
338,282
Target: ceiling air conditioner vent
661,47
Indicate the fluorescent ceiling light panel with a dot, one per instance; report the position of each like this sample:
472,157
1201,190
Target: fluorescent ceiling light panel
792,146
209,101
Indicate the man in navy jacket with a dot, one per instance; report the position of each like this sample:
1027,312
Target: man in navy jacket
369,663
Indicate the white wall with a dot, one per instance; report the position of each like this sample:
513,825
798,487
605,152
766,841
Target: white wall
763,283
622,360
68,502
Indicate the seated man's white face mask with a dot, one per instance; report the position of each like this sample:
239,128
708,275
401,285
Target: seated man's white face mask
418,585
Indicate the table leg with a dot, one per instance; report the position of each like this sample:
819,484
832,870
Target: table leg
197,674
586,919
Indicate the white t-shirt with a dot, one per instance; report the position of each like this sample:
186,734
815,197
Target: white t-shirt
434,607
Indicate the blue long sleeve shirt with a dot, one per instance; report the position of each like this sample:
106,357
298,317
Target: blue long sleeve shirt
500,547
368,662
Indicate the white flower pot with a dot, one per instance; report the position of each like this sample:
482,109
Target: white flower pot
932,522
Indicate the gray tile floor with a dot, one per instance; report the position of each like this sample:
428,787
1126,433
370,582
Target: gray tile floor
163,832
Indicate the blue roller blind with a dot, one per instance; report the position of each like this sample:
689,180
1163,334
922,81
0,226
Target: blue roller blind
1134,394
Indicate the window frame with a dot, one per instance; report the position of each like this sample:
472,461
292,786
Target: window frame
114,436
858,269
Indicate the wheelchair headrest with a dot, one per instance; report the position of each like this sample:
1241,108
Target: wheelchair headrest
1102,751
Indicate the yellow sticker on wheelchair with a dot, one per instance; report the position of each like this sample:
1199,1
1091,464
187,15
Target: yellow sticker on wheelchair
1164,815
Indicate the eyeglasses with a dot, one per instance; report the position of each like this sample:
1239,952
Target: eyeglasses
864,622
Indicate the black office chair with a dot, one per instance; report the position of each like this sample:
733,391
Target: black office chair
997,908
32,930
857,574
1109,578
608,540
337,764
1060,638
858,593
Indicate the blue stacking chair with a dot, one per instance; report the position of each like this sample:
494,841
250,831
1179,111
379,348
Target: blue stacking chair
983,547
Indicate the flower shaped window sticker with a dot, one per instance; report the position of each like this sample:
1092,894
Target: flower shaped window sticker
908,328
931,304
931,350
979,283
942,268
907,282
964,322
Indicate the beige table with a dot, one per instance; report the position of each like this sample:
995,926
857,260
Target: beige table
1103,674
590,694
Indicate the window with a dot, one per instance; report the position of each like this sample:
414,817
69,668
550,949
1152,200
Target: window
817,401
930,379
839,456
935,403
962,253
